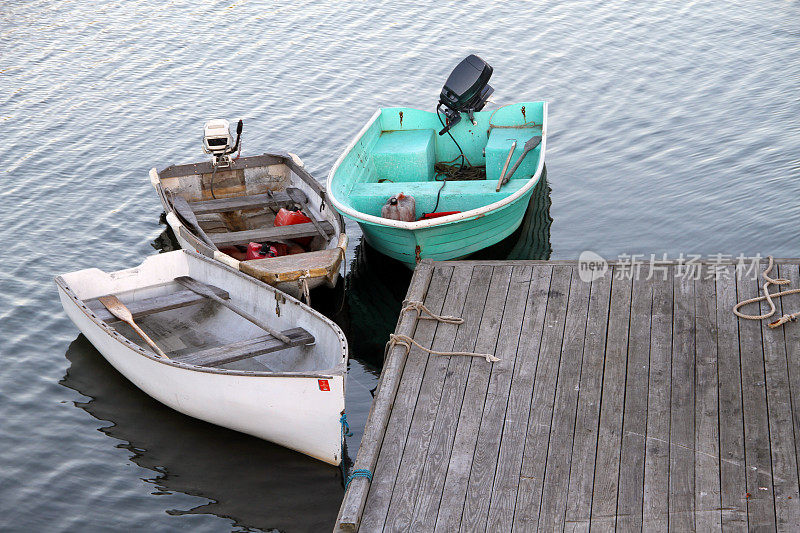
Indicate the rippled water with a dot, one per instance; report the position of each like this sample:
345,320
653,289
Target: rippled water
673,128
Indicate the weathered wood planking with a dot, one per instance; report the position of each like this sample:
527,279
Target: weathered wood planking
295,231
631,403
155,304
236,351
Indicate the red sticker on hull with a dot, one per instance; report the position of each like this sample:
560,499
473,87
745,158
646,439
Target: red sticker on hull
324,385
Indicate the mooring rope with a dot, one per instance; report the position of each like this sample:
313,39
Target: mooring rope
419,307
405,340
768,297
359,472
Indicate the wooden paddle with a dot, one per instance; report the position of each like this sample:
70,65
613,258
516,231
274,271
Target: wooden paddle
530,145
501,181
118,309
203,290
182,208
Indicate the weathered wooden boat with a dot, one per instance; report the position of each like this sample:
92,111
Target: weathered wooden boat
238,353
217,210
399,151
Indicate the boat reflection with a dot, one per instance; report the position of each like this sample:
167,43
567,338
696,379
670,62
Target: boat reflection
256,484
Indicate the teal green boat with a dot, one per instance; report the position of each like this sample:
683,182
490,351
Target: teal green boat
465,195
397,151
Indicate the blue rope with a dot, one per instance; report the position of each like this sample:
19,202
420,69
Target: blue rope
345,427
360,472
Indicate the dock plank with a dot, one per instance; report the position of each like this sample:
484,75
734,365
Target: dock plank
430,394
781,431
506,479
733,490
531,476
630,494
707,501
584,446
655,505
609,437
559,453
791,304
484,464
681,427
758,462
435,464
466,436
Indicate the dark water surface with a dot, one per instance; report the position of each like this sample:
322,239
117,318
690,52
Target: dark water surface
674,128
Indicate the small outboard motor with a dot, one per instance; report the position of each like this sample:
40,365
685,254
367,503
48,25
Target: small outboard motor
465,91
218,141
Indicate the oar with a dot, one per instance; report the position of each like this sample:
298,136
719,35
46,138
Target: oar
182,207
501,181
203,290
118,309
530,145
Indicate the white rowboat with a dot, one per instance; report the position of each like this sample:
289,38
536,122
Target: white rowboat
222,368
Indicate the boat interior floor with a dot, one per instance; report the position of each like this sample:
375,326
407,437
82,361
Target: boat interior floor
238,220
194,329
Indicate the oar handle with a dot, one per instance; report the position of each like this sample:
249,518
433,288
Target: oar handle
502,179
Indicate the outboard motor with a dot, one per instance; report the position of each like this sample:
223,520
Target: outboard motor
218,141
465,91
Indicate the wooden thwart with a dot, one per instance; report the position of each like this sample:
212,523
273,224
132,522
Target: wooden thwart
156,304
237,351
253,201
295,231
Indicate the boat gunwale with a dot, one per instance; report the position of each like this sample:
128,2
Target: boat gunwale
434,222
337,371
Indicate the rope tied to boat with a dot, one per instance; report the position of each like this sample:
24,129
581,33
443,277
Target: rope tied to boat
405,340
359,472
419,307
345,426
768,297
302,283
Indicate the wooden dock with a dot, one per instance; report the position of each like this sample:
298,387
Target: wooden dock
621,403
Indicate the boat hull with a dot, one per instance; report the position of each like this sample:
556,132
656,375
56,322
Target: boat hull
295,410
449,241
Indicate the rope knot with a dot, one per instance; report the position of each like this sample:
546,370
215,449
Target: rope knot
419,307
359,472
768,297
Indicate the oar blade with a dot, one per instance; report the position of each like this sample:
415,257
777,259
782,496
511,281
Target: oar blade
116,307
533,143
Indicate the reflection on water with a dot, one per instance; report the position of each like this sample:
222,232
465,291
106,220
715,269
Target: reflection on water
254,483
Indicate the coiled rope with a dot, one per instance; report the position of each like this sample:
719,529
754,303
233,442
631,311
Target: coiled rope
405,340
768,297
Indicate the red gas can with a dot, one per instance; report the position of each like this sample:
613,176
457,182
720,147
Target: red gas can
256,250
286,217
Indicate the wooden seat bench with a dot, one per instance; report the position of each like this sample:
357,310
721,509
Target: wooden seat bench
228,353
156,304
295,231
277,199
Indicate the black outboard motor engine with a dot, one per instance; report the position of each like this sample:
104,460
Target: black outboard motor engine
465,91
